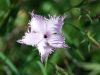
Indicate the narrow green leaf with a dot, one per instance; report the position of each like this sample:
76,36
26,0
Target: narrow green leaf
9,63
90,66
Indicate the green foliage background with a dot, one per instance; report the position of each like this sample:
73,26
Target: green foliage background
81,31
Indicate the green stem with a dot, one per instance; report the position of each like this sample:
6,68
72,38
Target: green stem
46,63
93,40
87,34
42,68
61,70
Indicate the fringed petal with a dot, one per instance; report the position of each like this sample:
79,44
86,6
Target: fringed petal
44,49
57,41
55,23
37,23
30,38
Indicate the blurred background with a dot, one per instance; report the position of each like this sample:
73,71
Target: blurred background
81,31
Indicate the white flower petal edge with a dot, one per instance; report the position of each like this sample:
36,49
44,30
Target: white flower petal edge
37,23
55,23
44,50
45,34
57,41
30,38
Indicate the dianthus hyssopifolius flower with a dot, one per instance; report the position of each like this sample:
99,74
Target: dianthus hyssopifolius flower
45,34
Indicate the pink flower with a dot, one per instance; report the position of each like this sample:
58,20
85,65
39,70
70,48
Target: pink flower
45,34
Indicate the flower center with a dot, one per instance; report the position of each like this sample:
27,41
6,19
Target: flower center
45,36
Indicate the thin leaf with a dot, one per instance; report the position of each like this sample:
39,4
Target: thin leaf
9,63
91,66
